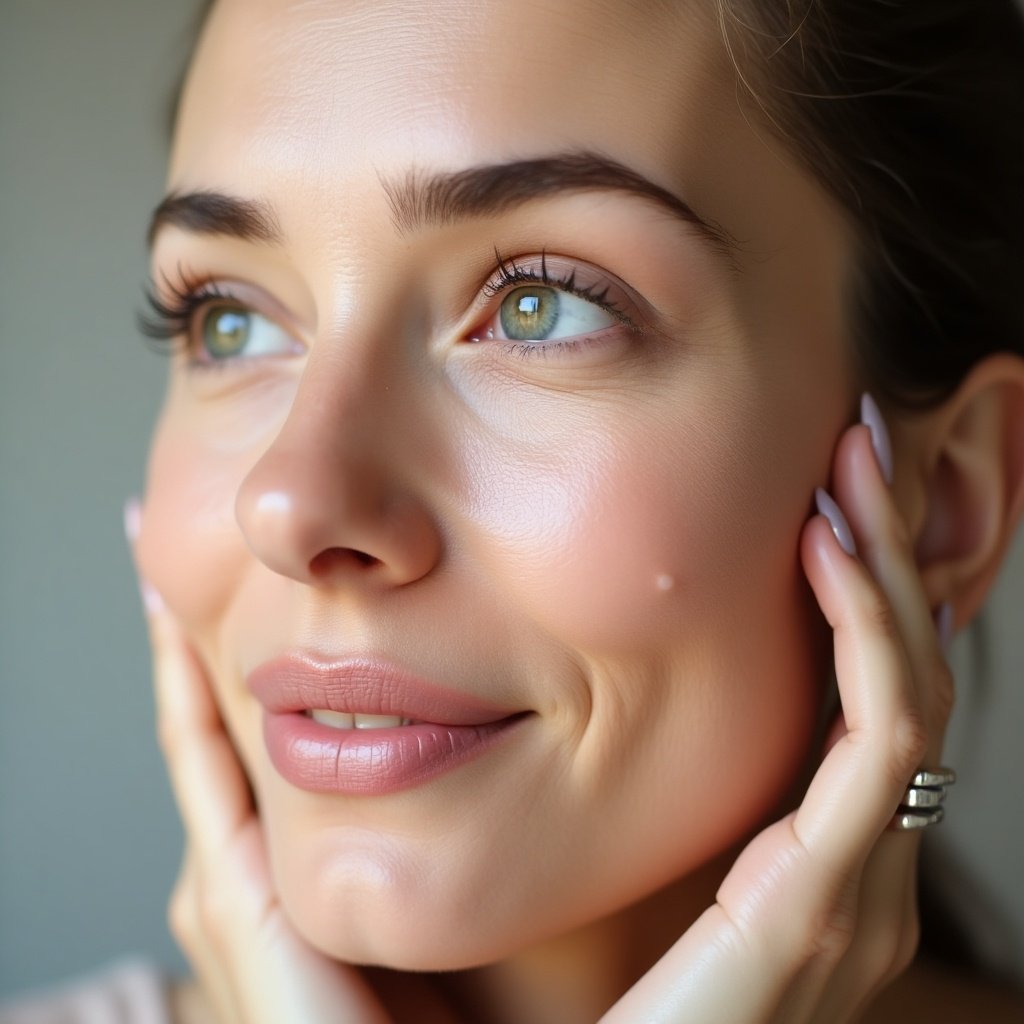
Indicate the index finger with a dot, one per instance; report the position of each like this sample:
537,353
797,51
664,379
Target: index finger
209,784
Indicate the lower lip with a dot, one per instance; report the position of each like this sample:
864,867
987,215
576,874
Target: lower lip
358,762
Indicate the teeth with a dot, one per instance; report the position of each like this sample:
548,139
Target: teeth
379,721
344,720
335,719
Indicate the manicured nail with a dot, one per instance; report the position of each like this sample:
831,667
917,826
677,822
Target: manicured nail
151,599
871,417
944,619
840,527
132,520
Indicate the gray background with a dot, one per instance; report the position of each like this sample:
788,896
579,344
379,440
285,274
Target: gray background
89,840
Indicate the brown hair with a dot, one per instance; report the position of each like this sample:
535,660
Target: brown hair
911,113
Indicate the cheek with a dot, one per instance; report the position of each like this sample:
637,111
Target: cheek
638,530
190,547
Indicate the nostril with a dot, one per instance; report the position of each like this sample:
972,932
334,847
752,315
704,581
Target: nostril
333,560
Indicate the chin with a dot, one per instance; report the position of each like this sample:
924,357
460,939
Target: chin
361,899
401,937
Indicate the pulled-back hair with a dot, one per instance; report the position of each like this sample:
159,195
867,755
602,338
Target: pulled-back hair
911,113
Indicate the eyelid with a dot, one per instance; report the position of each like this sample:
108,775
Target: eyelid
574,276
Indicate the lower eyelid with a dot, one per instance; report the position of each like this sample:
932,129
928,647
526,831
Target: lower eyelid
609,345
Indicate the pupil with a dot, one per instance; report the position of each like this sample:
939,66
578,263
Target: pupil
529,313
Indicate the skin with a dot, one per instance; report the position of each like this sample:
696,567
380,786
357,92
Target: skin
613,538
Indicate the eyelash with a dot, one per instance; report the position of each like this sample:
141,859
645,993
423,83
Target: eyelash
510,273
168,322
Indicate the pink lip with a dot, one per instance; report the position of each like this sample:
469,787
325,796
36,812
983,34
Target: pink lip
450,728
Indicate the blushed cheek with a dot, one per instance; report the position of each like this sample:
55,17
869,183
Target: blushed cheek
606,551
190,547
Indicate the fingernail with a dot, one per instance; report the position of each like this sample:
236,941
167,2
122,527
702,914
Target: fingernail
132,520
151,599
944,619
840,527
871,417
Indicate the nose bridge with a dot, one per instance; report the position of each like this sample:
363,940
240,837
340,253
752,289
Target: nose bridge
333,498
320,457
339,408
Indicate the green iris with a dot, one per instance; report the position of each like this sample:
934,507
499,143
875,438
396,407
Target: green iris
529,313
226,331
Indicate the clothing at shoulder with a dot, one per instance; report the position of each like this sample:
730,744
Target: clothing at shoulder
126,992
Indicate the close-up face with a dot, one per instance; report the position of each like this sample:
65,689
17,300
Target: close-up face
515,346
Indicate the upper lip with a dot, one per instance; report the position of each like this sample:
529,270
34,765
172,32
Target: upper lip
302,682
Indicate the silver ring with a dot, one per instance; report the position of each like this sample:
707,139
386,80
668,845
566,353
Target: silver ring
916,797
921,804
907,820
934,777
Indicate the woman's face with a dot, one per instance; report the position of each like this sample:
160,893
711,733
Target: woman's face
521,453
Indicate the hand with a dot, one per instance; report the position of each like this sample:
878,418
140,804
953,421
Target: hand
224,911
819,912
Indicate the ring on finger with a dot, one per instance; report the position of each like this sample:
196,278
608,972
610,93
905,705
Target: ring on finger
921,803
906,821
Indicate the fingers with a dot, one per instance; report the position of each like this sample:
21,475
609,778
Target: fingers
223,883
857,788
185,918
846,882
896,691
887,930
208,782
888,925
885,546
921,698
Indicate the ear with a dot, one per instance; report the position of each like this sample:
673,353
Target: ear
960,477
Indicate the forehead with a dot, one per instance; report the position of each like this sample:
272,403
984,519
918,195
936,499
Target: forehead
325,83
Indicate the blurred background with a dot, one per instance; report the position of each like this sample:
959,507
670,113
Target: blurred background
89,840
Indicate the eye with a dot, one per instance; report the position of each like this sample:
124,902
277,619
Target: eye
212,325
231,331
553,303
542,313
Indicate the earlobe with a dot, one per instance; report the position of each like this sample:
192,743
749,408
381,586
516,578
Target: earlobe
969,466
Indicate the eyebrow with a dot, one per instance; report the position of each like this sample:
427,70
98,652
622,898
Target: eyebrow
214,213
444,198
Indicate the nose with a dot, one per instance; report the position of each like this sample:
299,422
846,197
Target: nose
325,504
